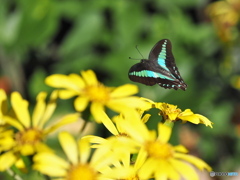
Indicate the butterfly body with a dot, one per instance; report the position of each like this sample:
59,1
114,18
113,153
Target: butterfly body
159,68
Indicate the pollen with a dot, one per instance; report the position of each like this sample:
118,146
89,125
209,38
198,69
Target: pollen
29,136
169,111
98,93
82,172
159,150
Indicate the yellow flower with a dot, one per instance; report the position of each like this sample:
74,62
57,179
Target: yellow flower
77,166
172,113
88,89
30,132
161,159
120,144
125,169
225,16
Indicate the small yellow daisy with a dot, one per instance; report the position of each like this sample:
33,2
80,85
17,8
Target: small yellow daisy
161,159
78,165
88,89
30,132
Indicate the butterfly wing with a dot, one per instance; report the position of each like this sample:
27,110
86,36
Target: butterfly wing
159,69
141,73
162,55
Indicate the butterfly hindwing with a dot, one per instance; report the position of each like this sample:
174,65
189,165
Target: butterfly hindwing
159,69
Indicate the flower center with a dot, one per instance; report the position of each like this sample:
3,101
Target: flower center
82,172
159,150
98,93
169,111
29,136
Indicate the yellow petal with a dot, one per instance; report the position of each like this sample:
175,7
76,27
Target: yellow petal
72,82
20,164
184,169
3,103
67,93
20,107
84,150
97,110
148,168
50,159
200,164
39,108
122,173
141,158
124,90
80,103
27,149
69,118
180,148
41,147
136,129
89,77
7,141
3,96
94,139
50,164
164,133
119,105
204,120
50,108
194,118
13,122
186,112
76,79
166,171
7,160
69,146
51,170
146,117
107,122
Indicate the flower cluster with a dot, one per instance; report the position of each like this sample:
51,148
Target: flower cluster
225,16
132,152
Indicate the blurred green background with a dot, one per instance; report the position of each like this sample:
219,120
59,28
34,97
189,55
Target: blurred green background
43,37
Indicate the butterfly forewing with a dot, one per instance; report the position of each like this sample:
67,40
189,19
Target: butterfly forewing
159,69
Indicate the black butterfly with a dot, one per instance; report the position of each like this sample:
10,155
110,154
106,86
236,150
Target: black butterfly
159,68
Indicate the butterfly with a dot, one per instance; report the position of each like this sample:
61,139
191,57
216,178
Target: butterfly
159,68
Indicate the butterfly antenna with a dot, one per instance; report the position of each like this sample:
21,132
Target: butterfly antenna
134,58
139,51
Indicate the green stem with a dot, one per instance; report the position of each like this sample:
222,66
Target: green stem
169,123
13,174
